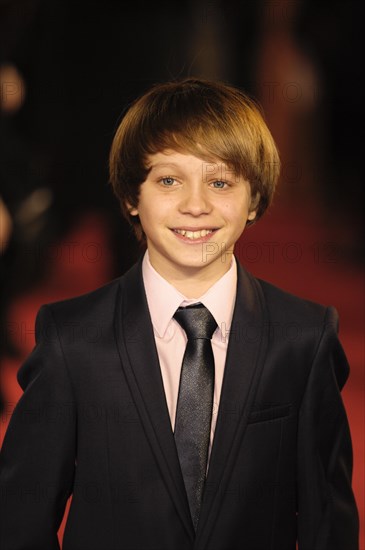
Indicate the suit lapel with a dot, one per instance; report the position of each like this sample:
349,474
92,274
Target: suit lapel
139,358
245,355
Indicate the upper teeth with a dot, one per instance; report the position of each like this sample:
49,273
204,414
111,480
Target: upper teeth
194,234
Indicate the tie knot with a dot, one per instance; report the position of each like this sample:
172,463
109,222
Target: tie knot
197,321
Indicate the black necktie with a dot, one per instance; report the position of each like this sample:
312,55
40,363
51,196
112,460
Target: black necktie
195,401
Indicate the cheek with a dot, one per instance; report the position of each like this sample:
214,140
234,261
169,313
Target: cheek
154,212
236,212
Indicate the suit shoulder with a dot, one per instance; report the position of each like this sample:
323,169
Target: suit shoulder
287,306
90,304
97,305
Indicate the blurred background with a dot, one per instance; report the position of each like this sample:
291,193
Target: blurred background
69,70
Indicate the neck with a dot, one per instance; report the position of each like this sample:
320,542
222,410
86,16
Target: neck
193,282
193,288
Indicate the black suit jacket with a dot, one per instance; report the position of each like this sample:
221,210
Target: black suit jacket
93,421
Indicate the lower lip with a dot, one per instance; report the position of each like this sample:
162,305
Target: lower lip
194,241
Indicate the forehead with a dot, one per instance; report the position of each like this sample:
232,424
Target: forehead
184,160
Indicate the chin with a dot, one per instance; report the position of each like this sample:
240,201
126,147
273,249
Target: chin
198,263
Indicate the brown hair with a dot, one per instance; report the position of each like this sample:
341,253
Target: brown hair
207,119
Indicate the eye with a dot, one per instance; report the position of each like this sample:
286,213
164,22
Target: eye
219,184
167,181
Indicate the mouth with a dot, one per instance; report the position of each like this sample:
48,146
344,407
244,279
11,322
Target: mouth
194,235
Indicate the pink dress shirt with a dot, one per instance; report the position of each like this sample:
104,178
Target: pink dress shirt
163,300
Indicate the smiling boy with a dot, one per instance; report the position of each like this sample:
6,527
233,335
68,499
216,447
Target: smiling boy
188,423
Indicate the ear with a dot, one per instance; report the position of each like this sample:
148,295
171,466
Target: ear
253,207
133,211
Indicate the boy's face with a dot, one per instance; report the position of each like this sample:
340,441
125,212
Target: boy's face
192,213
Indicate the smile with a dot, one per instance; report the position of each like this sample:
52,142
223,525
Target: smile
193,235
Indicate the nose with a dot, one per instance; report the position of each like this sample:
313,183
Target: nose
195,201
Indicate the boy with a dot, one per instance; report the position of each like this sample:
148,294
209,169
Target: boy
185,423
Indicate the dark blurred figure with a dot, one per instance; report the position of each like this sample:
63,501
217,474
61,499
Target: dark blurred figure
23,199
224,41
332,37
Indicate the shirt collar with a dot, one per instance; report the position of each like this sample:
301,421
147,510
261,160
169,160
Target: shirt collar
219,298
